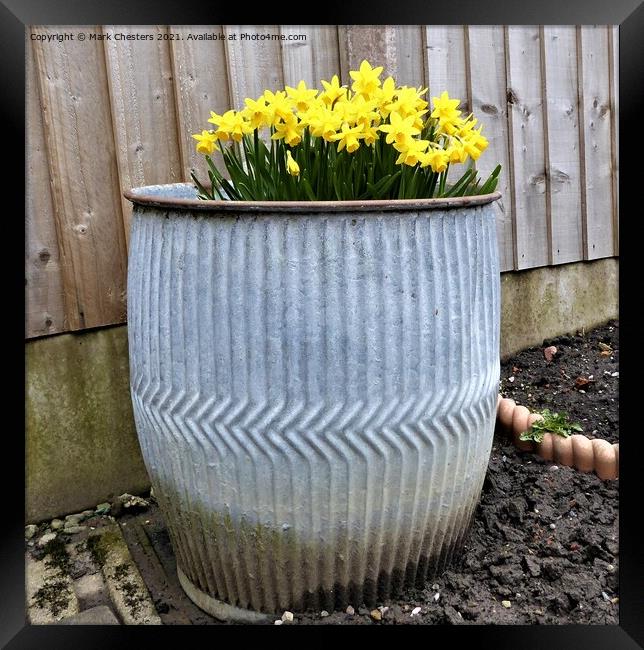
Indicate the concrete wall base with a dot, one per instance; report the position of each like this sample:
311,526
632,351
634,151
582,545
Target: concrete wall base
81,443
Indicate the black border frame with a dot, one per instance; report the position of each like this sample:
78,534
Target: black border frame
16,15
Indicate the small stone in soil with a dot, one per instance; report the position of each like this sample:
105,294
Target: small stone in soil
45,539
436,597
73,520
278,622
324,613
553,526
506,603
103,508
71,530
287,617
375,615
56,524
549,353
350,611
30,531
415,611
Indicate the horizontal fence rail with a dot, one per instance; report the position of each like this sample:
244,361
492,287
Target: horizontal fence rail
110,112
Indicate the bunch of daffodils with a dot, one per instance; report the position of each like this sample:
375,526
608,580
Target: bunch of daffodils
375,140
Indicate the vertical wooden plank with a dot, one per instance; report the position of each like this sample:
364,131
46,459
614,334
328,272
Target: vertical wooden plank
410,55
312,59
84,179
44,307
447,68
446,63
399,49
253,65
613,41
489,105
201,86
528,166
139,75
595,53
560,50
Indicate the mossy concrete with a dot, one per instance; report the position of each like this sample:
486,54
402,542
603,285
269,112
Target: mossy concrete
549,301
81,442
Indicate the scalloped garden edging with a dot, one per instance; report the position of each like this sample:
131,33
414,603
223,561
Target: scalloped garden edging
578,451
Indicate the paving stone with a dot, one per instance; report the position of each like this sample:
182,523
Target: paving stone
101,615
49,592
91,591
124,583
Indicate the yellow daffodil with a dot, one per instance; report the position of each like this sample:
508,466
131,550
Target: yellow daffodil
301,96
322,122
370,134
437,159
366,79
413,152
290,129
231,125
257,112
292,167
306,124
349,137
446,113
280,106
206,142
399,131
408,102
332,91
456,153
384,96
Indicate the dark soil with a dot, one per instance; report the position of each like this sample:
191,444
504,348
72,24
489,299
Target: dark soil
543,545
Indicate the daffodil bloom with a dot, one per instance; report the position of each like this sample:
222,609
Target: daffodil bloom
384,96
456,153
399,131
332,91
472,150
306,124
257,112
206,142
358,111
292,167
466,127
366,79
370,134
437,159
349,137
301,96
444,107
446,113
408,102
412,154
280,106
480,141
231,125
322,122
290,129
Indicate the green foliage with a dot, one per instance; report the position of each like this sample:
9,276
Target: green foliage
258,173
552,423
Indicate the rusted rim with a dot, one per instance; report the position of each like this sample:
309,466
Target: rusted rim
152,195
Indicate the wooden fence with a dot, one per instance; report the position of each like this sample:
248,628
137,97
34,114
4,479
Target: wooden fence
104,114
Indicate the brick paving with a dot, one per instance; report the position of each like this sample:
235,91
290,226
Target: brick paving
107,571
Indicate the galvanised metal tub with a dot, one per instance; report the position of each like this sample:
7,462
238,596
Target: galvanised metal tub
314,387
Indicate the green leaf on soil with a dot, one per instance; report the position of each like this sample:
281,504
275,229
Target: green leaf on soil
552,423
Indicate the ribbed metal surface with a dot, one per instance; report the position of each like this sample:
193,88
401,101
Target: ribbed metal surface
314,395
